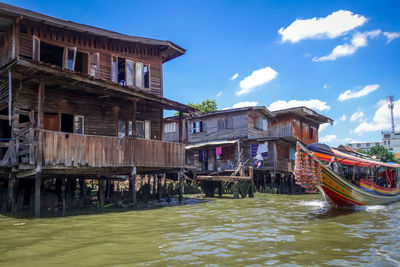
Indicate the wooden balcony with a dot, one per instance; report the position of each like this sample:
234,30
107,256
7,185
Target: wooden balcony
77,150
66,150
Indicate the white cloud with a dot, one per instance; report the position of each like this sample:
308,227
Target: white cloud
325,86
219,94
357,116
257,78
243,104
359,40
382,120
312,103
354,141
348,94
332,26
391,36
234,76
343,118
327,138
323,127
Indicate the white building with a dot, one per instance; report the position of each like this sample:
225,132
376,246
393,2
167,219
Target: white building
390,141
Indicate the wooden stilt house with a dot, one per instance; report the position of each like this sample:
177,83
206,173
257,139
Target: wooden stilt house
217,141
78,101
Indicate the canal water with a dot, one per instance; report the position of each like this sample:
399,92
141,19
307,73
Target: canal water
266,230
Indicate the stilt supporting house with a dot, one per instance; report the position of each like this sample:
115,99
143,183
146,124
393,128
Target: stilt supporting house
80,104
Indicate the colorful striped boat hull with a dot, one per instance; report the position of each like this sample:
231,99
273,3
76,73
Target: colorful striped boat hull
341,193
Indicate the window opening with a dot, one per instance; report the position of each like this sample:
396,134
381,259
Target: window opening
170,127
311,130
94,65
81,62
146,76
121,129
51,54
197,127
67,123
140,129
121,71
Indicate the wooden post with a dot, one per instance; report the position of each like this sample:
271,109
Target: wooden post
149,186
10,192
180,178
154,186
180,127
40,104
220,189
159,189
38,181
236,190
101,191
133,182
134,118
63,196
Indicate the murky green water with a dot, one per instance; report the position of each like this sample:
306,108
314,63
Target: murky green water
269,229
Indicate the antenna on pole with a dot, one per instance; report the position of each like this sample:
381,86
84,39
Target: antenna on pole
390,100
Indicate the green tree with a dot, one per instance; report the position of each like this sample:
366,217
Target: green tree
206,106
381,153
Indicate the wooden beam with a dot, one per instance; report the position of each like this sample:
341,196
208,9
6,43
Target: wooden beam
180,127
134,118
40,104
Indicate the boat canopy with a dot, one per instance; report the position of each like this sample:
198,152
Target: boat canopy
325,153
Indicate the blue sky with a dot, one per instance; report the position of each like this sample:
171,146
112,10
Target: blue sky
340,58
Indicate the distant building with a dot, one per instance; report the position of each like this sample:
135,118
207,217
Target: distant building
216,141
390,141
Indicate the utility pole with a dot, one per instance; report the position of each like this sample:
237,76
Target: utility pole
390,99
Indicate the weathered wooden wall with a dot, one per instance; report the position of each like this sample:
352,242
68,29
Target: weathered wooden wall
100,114
174,136
212,132
90,44
253,131
291,125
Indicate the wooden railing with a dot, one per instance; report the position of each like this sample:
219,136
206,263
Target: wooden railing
67,149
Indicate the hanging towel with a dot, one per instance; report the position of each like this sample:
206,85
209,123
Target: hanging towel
218,150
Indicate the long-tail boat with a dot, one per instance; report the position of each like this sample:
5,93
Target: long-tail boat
337,176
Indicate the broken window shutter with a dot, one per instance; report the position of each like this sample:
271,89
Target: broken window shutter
147,129
95,65
69,58
139,74
114,66
36,49
129,72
